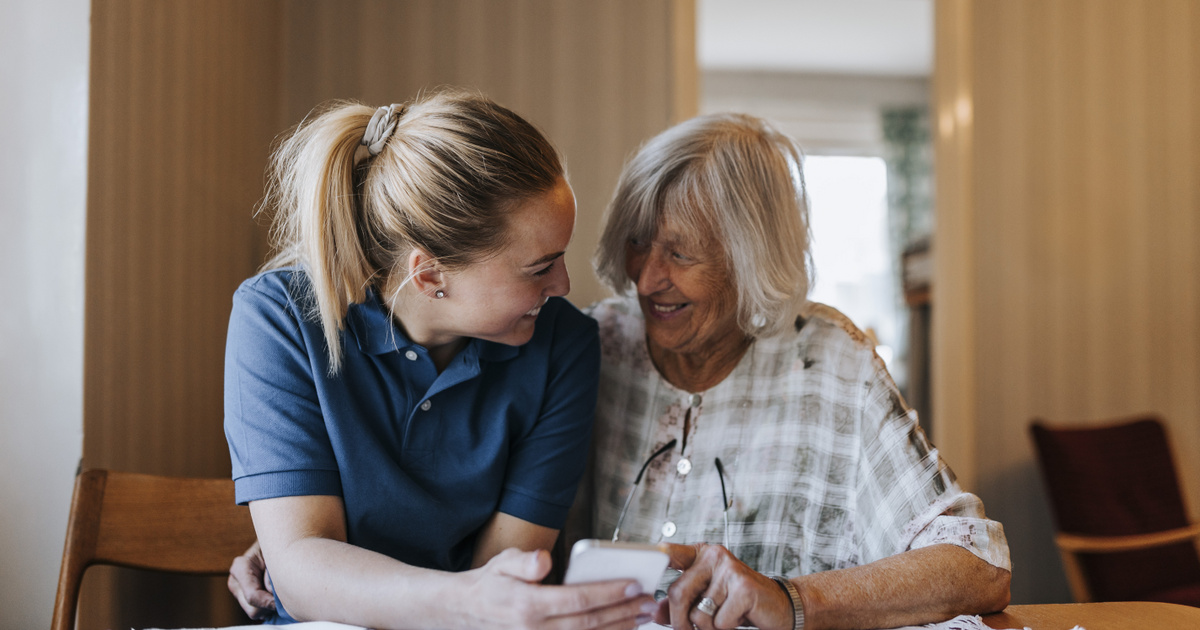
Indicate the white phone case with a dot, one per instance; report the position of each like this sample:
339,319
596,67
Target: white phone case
595,560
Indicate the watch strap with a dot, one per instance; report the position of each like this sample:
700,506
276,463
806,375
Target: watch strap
794,595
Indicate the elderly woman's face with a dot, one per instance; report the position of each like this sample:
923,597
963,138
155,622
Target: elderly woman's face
685,290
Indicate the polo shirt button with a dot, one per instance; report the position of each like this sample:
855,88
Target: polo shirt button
668,529
410,355
684,466
426,405
694,400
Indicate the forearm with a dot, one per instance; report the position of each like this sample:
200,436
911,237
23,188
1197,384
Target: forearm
324,579
916,587
319,576
504,531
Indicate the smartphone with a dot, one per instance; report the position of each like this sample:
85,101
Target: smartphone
595,560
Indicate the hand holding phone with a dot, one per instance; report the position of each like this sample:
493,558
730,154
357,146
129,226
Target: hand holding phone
595,560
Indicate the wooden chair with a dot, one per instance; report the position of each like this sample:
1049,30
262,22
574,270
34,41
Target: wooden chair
173,524
1123,530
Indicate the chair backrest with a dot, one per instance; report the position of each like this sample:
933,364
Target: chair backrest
1112,480
173,524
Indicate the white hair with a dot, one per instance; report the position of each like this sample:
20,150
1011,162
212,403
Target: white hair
734,177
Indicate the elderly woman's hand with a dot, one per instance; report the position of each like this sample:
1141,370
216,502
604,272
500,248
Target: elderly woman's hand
743,596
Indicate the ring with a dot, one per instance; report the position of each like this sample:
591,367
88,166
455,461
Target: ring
707,606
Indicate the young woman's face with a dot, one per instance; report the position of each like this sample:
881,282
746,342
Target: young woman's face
498,299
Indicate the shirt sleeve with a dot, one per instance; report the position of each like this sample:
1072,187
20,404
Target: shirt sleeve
907,494
278,443
547,463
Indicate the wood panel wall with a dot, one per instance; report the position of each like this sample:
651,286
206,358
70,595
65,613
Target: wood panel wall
183,108
1068,241
185,101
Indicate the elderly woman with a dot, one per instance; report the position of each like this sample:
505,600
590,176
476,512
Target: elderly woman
761,421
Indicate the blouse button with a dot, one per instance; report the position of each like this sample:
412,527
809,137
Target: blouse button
694,400
410,355
684,466
426,405
668,529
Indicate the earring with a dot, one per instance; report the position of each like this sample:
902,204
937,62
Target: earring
439,294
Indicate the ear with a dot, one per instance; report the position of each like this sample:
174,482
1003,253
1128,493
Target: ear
425,271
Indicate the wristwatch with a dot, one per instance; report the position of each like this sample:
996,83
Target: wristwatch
794,595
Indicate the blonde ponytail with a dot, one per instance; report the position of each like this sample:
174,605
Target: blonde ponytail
311,190
442,181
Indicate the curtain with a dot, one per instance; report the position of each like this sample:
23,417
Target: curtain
909,155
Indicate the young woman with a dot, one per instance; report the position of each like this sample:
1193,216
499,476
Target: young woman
408,399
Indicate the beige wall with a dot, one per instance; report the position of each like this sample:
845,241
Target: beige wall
185,100
1068,240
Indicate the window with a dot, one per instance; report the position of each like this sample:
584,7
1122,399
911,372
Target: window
853,259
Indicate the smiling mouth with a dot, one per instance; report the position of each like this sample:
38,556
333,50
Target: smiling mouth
533,312
666,308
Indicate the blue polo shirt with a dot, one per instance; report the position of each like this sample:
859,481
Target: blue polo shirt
421,460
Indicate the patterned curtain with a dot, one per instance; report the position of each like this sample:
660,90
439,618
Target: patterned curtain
909,157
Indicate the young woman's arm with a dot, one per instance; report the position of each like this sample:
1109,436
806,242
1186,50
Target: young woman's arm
247,575
317,575
505,531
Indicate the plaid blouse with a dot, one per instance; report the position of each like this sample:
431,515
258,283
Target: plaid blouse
823,463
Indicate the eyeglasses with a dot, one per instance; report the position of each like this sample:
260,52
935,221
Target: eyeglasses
624,508
726,498
726,503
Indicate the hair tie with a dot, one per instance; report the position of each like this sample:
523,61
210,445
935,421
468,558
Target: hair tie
382,124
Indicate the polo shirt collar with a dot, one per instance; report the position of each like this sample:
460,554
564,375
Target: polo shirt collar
492,351
375,333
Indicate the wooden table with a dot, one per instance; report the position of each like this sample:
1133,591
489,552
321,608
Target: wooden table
1098,616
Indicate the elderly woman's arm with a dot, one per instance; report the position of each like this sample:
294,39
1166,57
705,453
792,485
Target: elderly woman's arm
248,583
920,586
916,587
